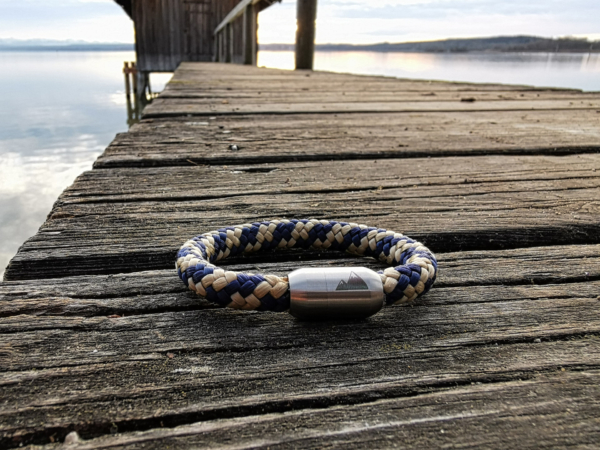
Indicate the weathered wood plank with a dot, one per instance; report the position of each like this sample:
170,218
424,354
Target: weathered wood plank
504,415
483,174
309,83
181,107
204,76
352,136
234,92
448,212
96,373
242,97
111,238
153,290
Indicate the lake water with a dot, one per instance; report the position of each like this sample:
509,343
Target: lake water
59,110
574,70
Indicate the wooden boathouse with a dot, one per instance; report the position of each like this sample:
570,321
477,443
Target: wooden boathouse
169,32
102,346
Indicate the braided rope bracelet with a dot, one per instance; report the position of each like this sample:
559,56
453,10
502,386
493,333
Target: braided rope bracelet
412,273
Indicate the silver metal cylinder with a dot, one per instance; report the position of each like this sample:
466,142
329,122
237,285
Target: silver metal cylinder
335,292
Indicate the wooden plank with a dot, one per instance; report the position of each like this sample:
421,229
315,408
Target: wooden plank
455,336
257,95
195,74
176,107
505,415
203,77
278,85
351,136
463,204
153,290
483,174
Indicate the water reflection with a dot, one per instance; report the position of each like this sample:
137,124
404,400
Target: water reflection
59,111
570,70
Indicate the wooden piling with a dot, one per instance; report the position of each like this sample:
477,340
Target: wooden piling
306,15
229,43
134,78
126,72
250,37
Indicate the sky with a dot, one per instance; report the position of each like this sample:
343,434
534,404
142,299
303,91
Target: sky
338,21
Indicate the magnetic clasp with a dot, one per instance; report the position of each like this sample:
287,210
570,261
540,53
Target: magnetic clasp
335,292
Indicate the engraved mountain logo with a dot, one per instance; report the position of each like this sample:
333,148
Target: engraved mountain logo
354,283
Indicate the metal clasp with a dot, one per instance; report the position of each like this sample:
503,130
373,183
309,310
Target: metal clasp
335,292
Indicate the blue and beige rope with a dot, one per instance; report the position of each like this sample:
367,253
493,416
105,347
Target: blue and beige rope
412,272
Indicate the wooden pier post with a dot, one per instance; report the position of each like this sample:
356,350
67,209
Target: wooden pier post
250,46
141,85
229,43
221,44
126,71
306,15
133,72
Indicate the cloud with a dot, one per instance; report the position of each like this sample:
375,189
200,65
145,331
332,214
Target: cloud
362,21
353,21
90,20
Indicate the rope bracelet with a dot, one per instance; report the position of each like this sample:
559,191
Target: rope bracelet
412,273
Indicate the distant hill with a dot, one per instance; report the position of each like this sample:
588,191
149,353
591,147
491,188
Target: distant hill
52,45
492,44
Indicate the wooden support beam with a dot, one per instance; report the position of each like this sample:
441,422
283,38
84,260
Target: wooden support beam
216,48
126,72
142,85
229,43
133,68
221,41
306,15
250,34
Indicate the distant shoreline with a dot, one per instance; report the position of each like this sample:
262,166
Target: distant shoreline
69,48
279,49
500,44
331,49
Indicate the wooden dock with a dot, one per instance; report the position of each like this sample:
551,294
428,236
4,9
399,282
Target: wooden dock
99,336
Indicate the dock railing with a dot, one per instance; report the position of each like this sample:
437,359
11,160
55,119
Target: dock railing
236,39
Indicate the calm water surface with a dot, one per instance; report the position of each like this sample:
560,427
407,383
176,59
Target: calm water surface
60,110
571,70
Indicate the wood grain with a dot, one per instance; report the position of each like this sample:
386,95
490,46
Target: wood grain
199,77
133,366
215,89
503,415
351,136
484,174
154,290
175,107
463,204
234,98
